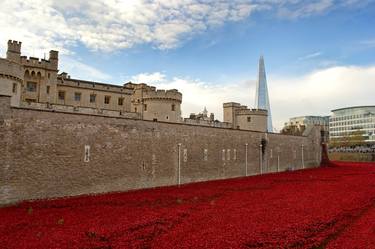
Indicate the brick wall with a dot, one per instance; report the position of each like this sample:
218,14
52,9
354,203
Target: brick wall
46,154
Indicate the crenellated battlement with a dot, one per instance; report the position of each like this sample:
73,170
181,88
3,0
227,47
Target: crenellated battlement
14,54
243,109
247,111
163,94
151,93
14,46
37,62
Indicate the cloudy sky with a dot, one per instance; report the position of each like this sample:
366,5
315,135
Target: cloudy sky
319,54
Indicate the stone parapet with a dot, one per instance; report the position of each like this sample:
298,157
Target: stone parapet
163,94
251,112
147,92
209,123
37,63
231,104
11,70
79,110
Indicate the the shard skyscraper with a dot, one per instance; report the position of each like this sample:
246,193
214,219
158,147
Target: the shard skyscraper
262,100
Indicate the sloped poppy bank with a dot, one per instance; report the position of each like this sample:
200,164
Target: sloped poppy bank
331,207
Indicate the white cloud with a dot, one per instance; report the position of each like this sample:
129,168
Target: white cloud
310,56
303,9
79,70
316,93
321,91
198,94
149,78
110,25
368,43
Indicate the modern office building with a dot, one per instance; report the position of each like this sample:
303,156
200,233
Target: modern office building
262,100
345,121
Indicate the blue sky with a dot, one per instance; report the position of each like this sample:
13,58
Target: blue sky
319,54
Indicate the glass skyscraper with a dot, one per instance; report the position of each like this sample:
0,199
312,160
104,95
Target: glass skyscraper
261,96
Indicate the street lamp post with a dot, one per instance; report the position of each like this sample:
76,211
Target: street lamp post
246,158
260,158
179,165
303,160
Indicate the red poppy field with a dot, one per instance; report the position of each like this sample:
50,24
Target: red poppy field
327,207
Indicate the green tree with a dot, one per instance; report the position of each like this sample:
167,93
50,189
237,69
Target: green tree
357,138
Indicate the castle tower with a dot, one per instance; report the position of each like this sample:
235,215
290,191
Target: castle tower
156,105
261,95
11,79
244,118
229,113
54,59
14,51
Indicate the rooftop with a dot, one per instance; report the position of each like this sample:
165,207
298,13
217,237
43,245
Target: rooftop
354,107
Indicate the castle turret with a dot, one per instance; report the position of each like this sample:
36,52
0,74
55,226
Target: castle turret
244,118
54,59
14,51
156,105
230,112
11,79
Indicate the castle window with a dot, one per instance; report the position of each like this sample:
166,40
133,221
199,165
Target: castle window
77,96
145,108
48,89
248,119
92,98
173,107
107,99
49,75
14,89
120,101
31,86
167,117
61,95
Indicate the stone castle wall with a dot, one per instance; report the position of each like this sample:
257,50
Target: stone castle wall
45,154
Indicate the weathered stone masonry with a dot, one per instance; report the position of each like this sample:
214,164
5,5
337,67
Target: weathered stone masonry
48,154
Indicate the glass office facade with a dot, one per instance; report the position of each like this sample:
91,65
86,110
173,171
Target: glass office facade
345,121
262,100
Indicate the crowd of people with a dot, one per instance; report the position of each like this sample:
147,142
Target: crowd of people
355,149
